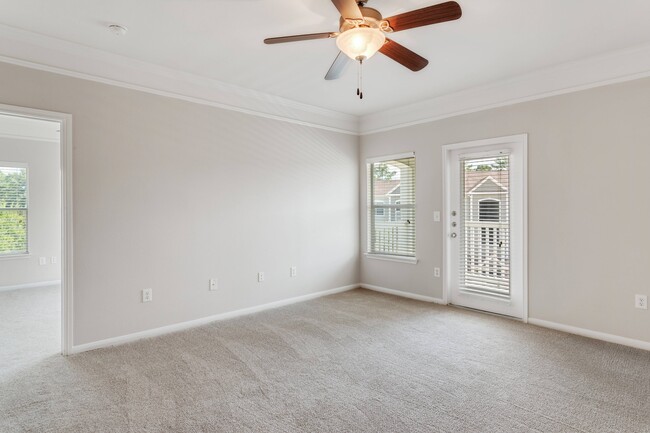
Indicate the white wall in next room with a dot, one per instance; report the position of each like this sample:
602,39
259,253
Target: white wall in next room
44,214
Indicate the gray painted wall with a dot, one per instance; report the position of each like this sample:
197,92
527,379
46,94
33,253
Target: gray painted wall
44,214
168,194
588,210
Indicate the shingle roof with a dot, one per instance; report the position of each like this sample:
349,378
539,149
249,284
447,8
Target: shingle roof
383,187
474,178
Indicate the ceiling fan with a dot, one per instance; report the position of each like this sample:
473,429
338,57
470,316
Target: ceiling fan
362,33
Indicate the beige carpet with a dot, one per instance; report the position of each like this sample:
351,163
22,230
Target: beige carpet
30,327
353,362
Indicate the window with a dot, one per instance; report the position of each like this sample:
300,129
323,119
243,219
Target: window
488,210
391,206
13,209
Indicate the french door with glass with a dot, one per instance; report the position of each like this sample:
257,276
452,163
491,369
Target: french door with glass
485,187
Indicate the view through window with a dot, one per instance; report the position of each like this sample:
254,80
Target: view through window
485,231
13,210
391,207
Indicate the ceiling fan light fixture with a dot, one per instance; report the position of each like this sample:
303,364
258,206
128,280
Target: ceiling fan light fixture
360,43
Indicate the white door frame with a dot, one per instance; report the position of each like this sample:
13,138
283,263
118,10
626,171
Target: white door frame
521,139
65,146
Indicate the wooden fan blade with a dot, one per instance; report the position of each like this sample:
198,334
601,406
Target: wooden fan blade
439,13
403,56
338,67
348,9
296,38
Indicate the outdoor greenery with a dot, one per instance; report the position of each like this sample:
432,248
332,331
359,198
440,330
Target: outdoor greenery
499,164
13,210
383,172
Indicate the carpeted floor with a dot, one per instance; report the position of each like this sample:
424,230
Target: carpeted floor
31,327
354,362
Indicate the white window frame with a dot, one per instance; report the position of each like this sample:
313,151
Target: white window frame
13,254
370,202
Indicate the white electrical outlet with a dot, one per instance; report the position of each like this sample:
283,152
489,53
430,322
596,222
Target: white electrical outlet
436,216
53,260
260,277
641,301
436,272
42,261
213,284
293,271
147,295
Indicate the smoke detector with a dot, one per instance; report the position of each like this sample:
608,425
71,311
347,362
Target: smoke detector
117,29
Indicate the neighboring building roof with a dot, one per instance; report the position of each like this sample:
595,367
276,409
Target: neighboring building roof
385,187
486,181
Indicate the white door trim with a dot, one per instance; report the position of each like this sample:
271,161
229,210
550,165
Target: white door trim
65,146
521,139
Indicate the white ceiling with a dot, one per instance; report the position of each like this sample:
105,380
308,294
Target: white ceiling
222,40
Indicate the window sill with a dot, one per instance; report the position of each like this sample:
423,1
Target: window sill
399,259
15,256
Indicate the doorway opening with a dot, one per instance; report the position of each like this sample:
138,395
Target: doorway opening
35,265
485,222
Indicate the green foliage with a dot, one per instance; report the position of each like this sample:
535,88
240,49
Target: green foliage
500,164
13,216
383,172
13,231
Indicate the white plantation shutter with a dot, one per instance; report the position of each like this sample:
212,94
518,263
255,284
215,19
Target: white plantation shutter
391,206
485,226
13,210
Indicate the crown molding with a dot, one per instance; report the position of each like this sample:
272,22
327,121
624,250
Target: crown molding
625,65
36,51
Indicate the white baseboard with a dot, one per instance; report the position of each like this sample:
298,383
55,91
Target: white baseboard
114,341
403,294
638,344
29,285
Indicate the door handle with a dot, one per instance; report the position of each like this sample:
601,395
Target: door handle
453,235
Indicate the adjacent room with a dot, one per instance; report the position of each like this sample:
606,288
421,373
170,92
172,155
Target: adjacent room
30,241
324,216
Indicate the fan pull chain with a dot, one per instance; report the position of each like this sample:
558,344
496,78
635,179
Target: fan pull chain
360,80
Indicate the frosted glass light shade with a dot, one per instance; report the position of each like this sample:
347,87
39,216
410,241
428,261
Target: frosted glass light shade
360,43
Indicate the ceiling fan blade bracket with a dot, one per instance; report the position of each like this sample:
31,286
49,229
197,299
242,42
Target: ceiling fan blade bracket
355,22
385,27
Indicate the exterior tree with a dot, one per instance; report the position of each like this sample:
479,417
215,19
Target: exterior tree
13,214
383,172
